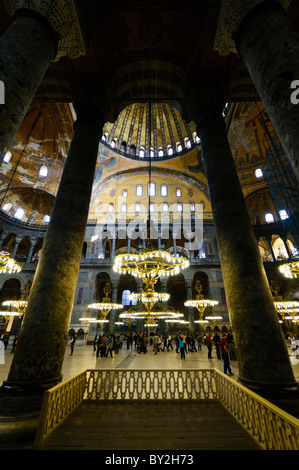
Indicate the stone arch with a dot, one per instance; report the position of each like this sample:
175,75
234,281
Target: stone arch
11,290
23,249
126,282
9,242
176,287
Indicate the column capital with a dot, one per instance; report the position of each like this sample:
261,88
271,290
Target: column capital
62,17
232,13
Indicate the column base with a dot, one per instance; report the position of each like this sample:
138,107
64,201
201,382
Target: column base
19,418
23,389
271,389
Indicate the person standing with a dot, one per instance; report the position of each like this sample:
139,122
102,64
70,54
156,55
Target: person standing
109,346
224,351
72,345
209,344
103,345
182,346
216,339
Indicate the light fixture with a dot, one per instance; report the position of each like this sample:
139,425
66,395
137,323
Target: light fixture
200,303
290,270
282,306
105,306
8,264
149,265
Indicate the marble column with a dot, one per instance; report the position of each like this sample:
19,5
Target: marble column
26,50
113,313
269,46
190,309
262,354
38,359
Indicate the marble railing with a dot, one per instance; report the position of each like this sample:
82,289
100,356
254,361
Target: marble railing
271,427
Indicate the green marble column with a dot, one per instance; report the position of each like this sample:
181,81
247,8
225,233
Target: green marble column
269,46
26,50
262,354
38,359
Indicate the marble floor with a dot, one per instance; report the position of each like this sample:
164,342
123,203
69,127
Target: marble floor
84,358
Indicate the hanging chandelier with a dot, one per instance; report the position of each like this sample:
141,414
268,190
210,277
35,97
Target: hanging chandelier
201,304
290,270
106,305
8,264
283,307
150,265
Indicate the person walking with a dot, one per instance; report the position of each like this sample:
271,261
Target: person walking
95,342
169,345
224,351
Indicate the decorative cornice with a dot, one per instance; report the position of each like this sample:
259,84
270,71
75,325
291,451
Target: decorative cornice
63,18
232,13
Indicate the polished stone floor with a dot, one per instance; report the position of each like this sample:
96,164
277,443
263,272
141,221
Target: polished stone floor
84,358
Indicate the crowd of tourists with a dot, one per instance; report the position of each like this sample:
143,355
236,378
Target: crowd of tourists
182,343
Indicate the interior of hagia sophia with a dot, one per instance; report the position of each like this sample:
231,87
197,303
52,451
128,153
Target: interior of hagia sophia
154,74
32,167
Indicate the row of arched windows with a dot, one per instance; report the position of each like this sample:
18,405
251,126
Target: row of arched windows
164,207
151,190
141,153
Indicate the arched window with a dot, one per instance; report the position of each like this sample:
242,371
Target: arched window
123,208
152,207
283,214
124,193
141,152
139,190
179,207
178,192
187,142
258,173
110,207
165,207
192,207
164,190
19,214
123,147
179,147
7,157
7,207
170,150
269,218
125,298
151,152
196,138
43,172
151,190
137,207
160,152
46,219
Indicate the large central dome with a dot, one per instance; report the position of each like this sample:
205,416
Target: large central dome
155,131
